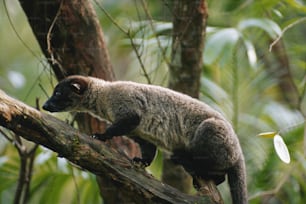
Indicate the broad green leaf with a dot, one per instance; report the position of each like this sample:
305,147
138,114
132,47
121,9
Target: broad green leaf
221,45
251,52
297,4
267,25
162,27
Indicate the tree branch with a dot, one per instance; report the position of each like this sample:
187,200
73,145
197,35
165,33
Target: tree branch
88,153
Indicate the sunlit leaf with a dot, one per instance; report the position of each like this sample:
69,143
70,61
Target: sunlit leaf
221,45
281,149
267,25
297,4
251,52
162,27
267,134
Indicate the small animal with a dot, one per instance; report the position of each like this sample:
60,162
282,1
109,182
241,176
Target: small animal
198,137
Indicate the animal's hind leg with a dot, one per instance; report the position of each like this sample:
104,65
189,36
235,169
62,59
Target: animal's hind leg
214,146
198,167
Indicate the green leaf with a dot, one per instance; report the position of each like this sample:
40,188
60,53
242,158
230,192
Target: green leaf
270,27
221,44
251,52
297,4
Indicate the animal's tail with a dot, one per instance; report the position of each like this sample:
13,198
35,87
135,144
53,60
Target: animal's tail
237,183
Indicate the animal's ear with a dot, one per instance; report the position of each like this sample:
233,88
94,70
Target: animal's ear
79,85
76,87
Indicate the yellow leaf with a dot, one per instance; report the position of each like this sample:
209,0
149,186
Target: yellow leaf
267,134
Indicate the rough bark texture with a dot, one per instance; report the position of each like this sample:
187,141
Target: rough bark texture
88,153
71,38
189,25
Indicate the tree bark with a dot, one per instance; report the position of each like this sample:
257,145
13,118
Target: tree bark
70,37
189,26
72,40
88,153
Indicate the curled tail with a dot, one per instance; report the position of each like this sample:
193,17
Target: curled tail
237,183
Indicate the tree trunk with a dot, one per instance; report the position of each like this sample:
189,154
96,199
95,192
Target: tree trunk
189,26
70,37
72,40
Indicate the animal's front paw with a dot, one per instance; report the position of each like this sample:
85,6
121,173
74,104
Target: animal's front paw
101,137
140,162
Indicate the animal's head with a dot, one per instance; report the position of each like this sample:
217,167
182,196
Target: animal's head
68,94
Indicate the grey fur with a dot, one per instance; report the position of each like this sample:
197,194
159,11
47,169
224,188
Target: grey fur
195,133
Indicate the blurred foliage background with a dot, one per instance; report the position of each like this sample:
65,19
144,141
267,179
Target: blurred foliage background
256,88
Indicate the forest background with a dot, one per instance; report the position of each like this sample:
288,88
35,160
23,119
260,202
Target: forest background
253,72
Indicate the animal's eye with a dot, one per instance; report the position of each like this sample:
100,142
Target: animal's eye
57,93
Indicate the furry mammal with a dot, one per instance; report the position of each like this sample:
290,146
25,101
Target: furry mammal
198,137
